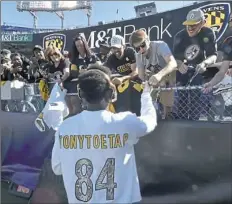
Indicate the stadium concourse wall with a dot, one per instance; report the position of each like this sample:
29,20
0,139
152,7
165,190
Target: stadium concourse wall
178,157
161,26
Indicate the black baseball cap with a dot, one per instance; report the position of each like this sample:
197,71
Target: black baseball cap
37,47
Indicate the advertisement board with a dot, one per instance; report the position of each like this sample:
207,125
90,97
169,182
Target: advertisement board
16,37
161,26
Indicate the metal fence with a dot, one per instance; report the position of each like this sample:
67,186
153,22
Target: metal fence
188,103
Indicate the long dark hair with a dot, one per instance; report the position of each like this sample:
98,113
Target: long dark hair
75,53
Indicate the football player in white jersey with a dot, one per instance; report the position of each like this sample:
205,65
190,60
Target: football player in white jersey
94,150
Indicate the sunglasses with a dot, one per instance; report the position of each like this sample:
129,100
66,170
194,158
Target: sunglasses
54,54
142,45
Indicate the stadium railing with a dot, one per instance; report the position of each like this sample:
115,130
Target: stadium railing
187,103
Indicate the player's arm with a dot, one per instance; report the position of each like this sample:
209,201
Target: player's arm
220,74
166,53
56,163
66,70
140,66
207,87
146,123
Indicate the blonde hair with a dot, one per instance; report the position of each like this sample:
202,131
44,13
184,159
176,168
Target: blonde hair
138,36
50,50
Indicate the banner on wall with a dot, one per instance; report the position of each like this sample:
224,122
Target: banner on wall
16,37
57,40
217,16
161,26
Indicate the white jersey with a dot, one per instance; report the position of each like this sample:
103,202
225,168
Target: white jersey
94,151
54,111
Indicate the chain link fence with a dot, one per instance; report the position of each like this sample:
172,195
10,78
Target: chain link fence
190,103
187,103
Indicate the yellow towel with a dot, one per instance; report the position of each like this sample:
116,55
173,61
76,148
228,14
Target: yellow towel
44,90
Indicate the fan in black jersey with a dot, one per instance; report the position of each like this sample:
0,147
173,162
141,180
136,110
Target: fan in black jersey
224,68
81,58
196,45
122,60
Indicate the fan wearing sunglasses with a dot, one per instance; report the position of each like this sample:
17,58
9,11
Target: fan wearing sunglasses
103,141
152,56
60,69
155,63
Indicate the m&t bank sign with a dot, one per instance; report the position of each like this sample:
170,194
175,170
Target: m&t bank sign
16,37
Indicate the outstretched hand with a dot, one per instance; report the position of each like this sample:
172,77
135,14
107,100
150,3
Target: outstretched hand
207,87
147,88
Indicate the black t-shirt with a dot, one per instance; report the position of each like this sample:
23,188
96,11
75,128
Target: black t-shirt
195,49
23,74
64,63
123,65
226,48
43,67
82,63
102,57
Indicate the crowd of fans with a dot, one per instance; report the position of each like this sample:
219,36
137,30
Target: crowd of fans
192,63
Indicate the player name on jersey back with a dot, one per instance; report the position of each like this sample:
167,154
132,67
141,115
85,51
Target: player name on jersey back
93,141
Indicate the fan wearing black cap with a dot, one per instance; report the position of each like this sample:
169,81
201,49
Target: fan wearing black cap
40,66
104,52
195,45
38,52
